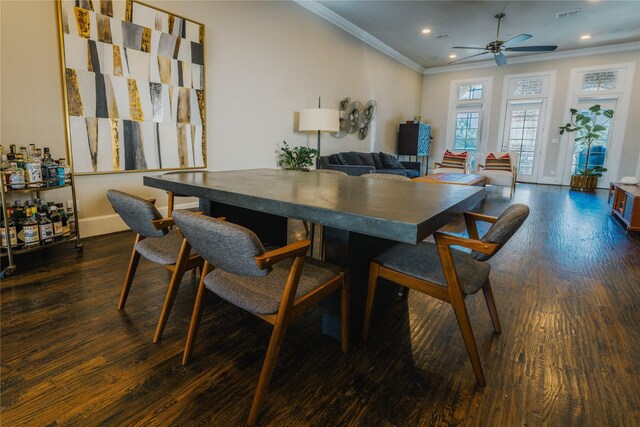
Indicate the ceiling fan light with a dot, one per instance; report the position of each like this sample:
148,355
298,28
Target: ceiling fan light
453,55
426,30
585,37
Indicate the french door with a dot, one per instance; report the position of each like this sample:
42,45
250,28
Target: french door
599,149
524,126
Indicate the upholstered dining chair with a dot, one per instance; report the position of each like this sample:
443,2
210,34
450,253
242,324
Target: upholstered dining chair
155,242
500,169
449,274
453,162
385,176
277,286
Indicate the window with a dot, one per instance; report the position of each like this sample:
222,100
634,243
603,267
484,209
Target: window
470,91
527,86
600,80
523,134
468,116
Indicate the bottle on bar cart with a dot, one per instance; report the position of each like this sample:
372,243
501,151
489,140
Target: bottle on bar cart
30,232
46,229
11,229
71,219
56,219
33,170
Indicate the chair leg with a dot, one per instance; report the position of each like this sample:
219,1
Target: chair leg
195,317
467,334
345,314
267,368
170,201
491,305
374,271
312,237
131,271
174,285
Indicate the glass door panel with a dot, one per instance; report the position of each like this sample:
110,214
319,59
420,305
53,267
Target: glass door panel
523,131
598,152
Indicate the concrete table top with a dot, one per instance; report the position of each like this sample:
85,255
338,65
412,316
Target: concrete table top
395,210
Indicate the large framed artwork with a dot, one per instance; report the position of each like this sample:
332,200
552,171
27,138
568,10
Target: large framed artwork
134,87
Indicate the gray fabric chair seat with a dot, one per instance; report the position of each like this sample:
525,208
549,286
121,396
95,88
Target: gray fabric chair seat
261,295
423,262
162,250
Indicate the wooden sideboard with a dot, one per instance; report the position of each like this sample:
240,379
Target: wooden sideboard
625,204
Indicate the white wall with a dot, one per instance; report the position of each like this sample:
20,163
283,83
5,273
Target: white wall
435,100
265,61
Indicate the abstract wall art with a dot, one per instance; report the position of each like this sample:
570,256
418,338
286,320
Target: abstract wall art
134,91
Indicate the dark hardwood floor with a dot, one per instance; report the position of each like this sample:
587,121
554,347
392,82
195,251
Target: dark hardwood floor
567,288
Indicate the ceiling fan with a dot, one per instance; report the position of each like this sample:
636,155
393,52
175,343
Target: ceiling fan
498,46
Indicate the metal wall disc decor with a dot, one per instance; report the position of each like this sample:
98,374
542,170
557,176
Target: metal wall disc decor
355,118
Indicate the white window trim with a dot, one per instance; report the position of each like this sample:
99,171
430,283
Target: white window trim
623,96
546,126
454,103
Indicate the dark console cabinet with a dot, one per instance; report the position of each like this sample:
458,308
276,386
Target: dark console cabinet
413,139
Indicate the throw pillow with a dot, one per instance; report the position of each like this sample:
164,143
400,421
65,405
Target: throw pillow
502,163
334,159
377,160
390,161
350,159
367,159
453,160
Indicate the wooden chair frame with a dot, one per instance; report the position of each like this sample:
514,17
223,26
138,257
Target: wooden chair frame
184,263
290,309
452,293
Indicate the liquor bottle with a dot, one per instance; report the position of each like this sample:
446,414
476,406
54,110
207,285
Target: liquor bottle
71,219
7,170
30,232
33,168
66,170
12,153
46,229
17,178
61,171
49,169
66,231
56,219
17,214
12,230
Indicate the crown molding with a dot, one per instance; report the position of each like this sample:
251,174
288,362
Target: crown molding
599,50
337,20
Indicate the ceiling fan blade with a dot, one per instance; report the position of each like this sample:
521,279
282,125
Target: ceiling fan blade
467,57
531,49
517,40
467,47
500,59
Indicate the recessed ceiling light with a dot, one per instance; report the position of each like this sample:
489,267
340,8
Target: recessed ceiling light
585,37
453,55
426,31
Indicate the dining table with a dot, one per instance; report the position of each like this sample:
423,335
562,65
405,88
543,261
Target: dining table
360,218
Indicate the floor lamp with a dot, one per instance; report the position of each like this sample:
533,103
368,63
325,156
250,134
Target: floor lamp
319,120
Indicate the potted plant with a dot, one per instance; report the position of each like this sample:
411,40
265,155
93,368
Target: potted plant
589,132
296,159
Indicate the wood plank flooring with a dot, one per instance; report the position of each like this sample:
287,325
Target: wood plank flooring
567,288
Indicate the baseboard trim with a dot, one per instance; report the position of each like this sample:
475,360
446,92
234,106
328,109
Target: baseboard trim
105,224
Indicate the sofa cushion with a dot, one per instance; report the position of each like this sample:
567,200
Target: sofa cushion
335,159
402,172
412,173
377,161
367,159
351,159
390,161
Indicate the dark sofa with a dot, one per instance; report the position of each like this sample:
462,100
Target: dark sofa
354,163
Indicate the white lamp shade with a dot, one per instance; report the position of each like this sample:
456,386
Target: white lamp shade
319,119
